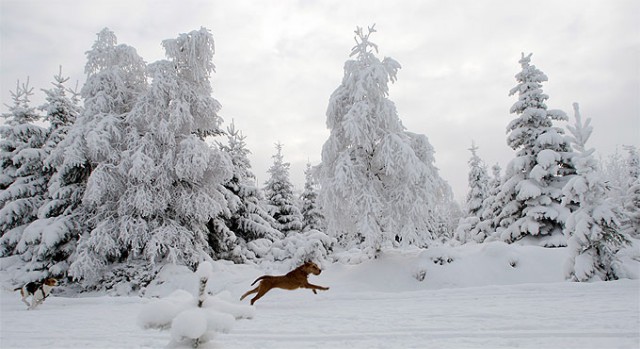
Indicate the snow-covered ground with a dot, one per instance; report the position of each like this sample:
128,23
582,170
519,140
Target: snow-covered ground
484,296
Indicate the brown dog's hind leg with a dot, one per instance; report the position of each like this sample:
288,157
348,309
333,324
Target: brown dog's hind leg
249,292
261,292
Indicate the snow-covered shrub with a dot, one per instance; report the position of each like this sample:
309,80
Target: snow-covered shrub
296,248
193,320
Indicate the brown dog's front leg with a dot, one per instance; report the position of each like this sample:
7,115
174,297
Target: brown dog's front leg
316,287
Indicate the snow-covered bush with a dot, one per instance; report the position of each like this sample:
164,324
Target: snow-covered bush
295,248
193,320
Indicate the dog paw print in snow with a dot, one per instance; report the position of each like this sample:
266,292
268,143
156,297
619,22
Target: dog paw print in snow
193,321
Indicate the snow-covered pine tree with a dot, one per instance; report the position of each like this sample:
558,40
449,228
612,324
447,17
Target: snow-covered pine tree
45,246
378,185
154,206
22,181
593,230
478,181
246,219
532,191
312,217
279,195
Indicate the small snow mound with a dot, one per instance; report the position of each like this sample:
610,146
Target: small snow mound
191,323
158,314
205,269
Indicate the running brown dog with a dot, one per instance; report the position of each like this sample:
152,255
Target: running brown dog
294,279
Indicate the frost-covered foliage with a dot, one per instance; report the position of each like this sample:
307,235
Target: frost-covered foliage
279,195
593,230
532,190
45,246
620,173
378,184
312,217
632,210
154,205
193,320
631,197
633,164
22,181
246,218
295,249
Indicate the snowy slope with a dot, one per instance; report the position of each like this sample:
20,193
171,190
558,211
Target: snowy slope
475,299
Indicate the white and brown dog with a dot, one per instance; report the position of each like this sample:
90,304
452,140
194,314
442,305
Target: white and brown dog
38,291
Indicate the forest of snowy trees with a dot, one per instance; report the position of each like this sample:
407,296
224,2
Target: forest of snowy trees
137,169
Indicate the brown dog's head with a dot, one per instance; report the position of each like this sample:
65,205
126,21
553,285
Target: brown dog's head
311,268
50,282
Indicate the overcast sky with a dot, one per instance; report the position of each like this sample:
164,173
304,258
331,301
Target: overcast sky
277,62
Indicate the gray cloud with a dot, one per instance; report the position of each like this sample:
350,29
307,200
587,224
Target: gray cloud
277,63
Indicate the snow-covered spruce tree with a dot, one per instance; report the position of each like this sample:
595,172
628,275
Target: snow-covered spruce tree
312,217
490,208
532,190
378,185
593,230
478,181
246,218
45,244
22,181
115,77
279,195
154,206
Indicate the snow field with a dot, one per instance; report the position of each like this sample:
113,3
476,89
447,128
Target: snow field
470,297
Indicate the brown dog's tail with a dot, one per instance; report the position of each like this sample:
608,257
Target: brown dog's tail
260,278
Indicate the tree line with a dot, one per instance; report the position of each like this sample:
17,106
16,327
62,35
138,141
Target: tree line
137,170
